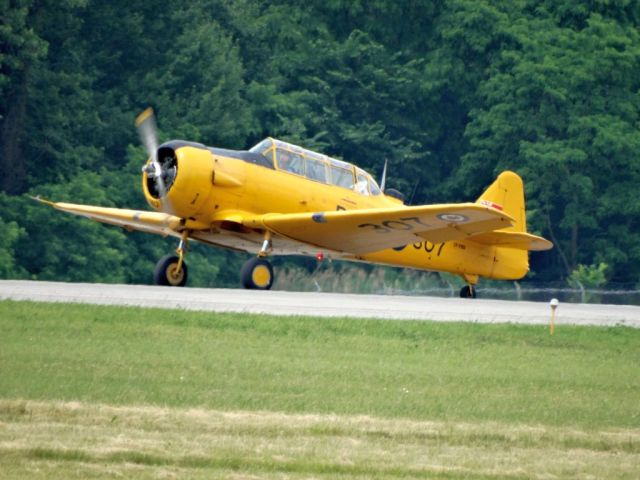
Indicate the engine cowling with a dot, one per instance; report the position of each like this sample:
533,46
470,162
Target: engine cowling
187,174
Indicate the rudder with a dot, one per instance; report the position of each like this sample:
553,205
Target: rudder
506,193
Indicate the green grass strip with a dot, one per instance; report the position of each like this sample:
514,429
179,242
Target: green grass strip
586,377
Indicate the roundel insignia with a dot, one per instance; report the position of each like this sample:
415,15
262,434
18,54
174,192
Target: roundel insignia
452,217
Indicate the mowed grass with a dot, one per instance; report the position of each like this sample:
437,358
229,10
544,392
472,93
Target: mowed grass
89,391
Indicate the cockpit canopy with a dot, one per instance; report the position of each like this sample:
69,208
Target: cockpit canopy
315,166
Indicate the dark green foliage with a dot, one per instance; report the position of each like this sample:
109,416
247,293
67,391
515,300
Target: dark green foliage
561,107
451,93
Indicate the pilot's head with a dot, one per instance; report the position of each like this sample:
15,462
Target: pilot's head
284,158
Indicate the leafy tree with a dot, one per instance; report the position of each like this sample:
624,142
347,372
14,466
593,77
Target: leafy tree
588,276
199,90
10,235
451,93
560,107
21,48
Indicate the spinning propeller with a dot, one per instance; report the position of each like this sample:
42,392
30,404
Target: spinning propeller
146,125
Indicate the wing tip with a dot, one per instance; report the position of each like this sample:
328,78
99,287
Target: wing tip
44,201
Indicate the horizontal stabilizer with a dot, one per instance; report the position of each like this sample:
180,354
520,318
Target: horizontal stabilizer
517,240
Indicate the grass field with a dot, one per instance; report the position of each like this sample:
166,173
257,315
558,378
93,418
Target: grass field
102,392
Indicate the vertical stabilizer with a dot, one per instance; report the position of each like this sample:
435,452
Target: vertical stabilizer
506,193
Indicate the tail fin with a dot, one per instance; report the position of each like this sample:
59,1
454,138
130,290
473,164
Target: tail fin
511,257
506,193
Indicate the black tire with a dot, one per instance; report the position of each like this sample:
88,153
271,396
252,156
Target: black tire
164,273
257,274
468,291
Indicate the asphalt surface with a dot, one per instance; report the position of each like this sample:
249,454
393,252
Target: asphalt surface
322,304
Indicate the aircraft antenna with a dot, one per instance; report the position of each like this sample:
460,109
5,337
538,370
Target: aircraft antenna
383,180
413,193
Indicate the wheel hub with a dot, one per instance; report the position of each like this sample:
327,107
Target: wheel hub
261,276
174,275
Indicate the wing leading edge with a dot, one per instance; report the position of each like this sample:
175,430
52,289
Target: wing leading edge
152,222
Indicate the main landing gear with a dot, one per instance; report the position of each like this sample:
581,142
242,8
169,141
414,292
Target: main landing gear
257,272
468,291
171,270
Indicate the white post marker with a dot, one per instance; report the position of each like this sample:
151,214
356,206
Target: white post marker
553,304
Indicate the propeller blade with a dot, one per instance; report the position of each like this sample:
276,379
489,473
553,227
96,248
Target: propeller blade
159,181
146,125
148,131
383,180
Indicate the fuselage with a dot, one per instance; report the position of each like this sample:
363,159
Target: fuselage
216,188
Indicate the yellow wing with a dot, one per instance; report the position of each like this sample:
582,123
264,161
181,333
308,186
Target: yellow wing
351,231
372,230
152,222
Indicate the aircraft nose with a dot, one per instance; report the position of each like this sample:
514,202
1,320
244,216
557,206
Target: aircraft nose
160,175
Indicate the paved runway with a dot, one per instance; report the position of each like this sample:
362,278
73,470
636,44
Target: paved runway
322,304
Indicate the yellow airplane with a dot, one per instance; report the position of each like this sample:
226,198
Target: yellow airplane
281,199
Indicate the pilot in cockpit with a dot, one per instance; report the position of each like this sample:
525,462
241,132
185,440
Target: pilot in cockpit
290,162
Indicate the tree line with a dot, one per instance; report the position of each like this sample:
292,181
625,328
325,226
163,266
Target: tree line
450,92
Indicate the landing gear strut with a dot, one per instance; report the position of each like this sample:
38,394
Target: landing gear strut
171,270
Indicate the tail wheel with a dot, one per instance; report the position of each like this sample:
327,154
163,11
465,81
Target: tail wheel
468,291
257,274
167,273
